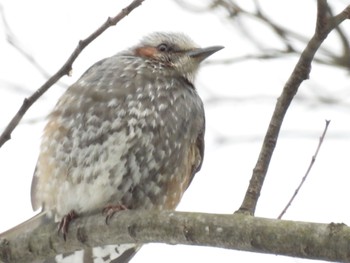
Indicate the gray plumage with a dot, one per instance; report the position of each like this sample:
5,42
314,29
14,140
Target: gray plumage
129,132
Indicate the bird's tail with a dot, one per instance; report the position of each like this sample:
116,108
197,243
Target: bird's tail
106,254
26,226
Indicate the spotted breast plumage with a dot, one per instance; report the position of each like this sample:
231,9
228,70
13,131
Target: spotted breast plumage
128,134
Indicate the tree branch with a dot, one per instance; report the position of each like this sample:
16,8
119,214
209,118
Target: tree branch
240,232
287,37
324,26
64,70
313,159
16,43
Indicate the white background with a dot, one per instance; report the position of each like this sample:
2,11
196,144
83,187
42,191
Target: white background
50,30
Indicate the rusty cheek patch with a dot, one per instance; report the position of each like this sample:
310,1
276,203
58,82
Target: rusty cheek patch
149,52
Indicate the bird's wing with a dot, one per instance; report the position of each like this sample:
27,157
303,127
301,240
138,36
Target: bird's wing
107,254
80,117
196,156
34,201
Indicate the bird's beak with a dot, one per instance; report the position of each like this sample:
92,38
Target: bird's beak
202,53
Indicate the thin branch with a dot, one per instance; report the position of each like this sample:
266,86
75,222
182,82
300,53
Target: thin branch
191,7
64,70
279,31
330,60
300,73
313,159
286,36
14,41
345,58
299,239
263,55
13,87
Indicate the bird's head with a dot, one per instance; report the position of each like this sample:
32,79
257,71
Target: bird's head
173,53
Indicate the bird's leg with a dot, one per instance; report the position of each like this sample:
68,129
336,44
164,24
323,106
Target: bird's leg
65,221
110,210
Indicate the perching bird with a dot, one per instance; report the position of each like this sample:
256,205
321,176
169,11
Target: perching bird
129,134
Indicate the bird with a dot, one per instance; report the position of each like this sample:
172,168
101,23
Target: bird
129,134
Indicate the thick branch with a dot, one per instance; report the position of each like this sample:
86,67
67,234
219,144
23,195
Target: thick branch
240,232
300,73
64,70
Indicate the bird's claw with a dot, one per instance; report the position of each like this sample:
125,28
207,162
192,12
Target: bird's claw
110,210
64,224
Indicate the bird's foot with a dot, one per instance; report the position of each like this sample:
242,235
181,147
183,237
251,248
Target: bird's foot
110,210
65,221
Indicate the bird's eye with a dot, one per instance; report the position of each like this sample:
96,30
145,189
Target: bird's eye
163,47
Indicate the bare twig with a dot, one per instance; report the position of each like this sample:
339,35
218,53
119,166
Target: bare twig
265,54
64,70
14,41
324,26
287,37
191,7
14,87
313,159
